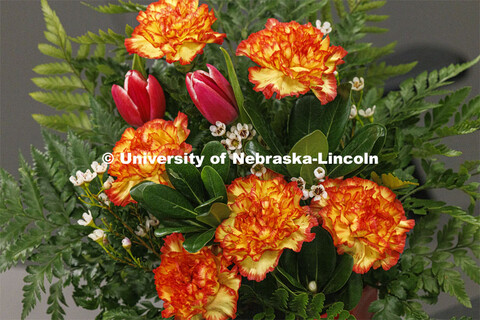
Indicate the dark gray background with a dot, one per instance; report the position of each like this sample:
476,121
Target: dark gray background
449,24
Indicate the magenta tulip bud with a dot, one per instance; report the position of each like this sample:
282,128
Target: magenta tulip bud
212,95
140,100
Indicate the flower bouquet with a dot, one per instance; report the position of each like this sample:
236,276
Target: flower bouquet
239,159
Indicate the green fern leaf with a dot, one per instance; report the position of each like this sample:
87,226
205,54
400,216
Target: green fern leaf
367,6
55,301
280,298
453,284
67,121
122,7
63,100
298,304
109,37
53,68
59,83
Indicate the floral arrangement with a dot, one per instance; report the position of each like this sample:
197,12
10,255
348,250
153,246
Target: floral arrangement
224,160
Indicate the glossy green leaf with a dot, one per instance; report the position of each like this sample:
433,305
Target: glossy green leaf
215,148
138,64
165,202
214,184
341,274
311,145
217,213
162,232
293,281
205,207
187,180
232,76
317,258
352,292
137,191
368,140
197,241
309,115
264,129
253,147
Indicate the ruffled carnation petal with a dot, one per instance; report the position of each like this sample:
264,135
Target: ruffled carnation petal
195,284
365,220
155,138
178,30
266,218
292,59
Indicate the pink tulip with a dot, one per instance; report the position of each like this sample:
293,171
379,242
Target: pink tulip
212,95
141,100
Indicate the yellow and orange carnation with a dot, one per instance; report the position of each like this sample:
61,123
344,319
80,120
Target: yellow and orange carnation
293,59
155,138
266,218
177,29
365,220
192,284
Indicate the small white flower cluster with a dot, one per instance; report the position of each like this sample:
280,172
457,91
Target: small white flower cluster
357,84
367,113
82,177
86,177
150,222
235,137
326,27
316,191
258,169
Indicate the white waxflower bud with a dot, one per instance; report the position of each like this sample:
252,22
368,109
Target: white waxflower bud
317,191
126,243
353,112
312,286
357,83
89,176
233,141
87,220
140,231
368,112
152,221
258,169
319,173
218,129
300,182
104,198
78,180
97,235
99,168
108,183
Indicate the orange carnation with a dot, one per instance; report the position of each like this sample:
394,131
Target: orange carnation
266,218
198,283
155,138
293,59
365,220
177,29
